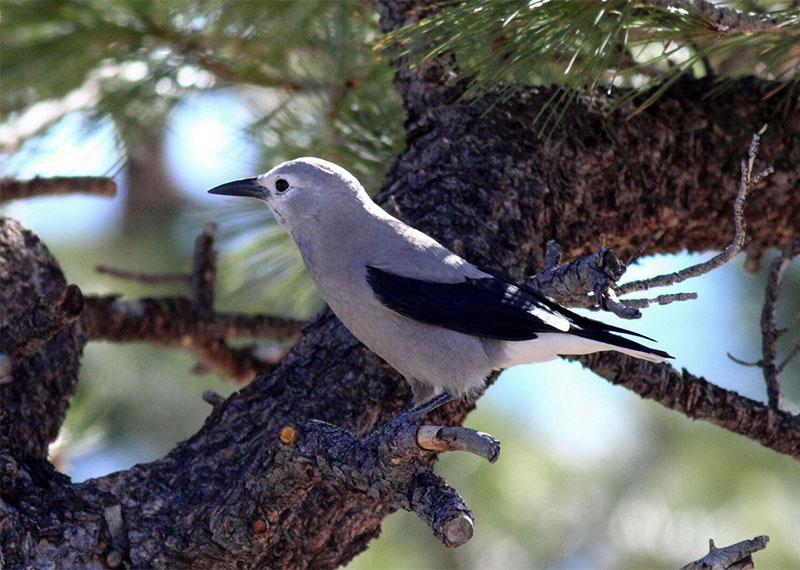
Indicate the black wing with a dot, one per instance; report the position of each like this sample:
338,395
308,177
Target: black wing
492,307
489,307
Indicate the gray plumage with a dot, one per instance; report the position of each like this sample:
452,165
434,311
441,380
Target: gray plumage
441,322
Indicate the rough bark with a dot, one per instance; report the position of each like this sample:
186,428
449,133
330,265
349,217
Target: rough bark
35,395
476,176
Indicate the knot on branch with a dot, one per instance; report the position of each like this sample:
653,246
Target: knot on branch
592,273
387,464
26,334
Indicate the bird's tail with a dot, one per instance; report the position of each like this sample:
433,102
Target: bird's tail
547,346
622,344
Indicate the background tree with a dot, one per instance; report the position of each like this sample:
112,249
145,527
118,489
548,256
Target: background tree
518,165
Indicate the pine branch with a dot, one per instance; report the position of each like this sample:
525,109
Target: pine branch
727,20
644,45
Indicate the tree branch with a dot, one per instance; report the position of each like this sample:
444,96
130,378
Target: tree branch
145,278
598,273
238,364
189,322
699,399
734,557
204,271
12,189
438,438
385,464
747,182
169,320
769,328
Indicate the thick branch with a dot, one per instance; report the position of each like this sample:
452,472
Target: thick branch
41,371
12,189
384,464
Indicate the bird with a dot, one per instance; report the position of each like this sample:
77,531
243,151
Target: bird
444,324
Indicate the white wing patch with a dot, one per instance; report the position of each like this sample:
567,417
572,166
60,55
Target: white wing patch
556,321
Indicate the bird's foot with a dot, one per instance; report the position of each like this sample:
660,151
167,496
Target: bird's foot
441,438
409,418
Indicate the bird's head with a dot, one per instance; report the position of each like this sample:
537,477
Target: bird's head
299,189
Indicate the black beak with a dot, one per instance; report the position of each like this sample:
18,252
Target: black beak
243,187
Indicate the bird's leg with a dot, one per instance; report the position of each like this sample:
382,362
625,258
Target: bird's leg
414,414
432,404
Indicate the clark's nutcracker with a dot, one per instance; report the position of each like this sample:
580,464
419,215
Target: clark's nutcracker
441,322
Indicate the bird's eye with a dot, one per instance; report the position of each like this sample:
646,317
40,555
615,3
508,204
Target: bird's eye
281,185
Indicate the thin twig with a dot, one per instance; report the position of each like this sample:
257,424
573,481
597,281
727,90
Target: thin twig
744,362
12,189
665,299
599,272
748,180
789,357
769,328
793,323
144,278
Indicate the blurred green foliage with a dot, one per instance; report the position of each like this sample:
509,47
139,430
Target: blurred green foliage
306,70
